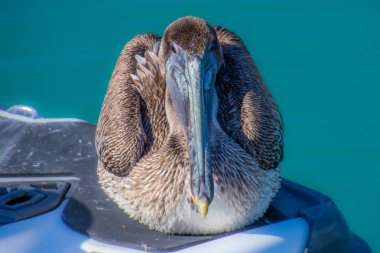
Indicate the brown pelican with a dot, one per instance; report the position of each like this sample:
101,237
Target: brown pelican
189,137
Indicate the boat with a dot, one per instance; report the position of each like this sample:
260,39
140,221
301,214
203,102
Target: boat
51,201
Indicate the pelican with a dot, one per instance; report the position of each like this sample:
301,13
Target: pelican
189,137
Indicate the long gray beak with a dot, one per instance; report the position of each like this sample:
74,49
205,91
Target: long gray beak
202,185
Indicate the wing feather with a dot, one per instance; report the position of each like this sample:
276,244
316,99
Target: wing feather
121,137
247,110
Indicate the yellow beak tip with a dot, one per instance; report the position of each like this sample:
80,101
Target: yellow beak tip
194,199
203,207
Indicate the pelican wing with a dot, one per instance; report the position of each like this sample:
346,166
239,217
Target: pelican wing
122,136
247,111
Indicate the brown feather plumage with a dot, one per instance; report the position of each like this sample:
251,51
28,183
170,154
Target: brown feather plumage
144,163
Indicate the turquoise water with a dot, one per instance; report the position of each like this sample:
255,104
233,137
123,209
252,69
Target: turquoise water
321,60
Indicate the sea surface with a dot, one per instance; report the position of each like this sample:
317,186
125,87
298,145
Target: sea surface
320,59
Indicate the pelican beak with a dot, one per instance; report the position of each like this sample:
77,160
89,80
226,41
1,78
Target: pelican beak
190,81
200,109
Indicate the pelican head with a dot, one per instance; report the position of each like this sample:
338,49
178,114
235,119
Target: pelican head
190,58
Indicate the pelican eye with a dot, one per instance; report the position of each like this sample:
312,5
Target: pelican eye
173,48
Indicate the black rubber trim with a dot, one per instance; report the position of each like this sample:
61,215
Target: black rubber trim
329,231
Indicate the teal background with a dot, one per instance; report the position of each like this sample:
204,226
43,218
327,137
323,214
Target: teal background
320,59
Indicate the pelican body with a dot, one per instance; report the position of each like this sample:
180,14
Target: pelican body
189,138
